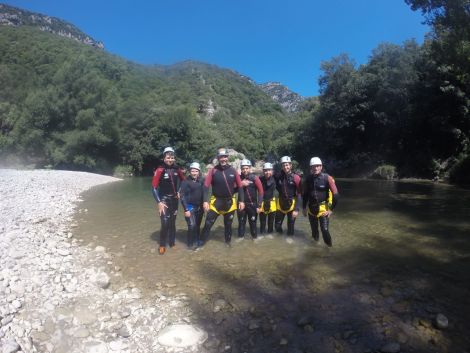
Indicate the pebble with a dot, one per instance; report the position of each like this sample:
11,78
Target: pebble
441,322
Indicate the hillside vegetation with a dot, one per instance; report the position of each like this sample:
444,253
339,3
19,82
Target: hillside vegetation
68,105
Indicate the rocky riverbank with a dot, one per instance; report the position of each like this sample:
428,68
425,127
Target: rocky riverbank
57,295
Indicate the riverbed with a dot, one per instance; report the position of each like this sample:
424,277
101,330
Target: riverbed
398,269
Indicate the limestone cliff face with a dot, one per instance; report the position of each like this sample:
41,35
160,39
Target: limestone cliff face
289,100
12,16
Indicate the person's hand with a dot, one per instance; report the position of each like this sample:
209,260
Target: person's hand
205,206
304,212
241,206
258,210
246,182
295,214
326,213
161,208
187,214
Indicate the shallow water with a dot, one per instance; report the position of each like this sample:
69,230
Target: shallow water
400,254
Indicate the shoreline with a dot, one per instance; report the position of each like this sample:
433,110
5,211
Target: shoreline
57,295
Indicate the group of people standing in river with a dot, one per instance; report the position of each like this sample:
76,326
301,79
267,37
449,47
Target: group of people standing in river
245,193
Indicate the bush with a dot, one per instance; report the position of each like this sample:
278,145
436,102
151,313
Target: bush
123,171
384,172
460,172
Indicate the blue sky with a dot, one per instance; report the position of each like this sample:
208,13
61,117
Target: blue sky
275,40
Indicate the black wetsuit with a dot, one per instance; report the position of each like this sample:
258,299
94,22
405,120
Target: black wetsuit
316,195
165,187
289,188
253,194
223,180
191,193
269,185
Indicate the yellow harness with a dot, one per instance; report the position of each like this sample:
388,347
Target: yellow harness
323,207
272,206
232,208
291,208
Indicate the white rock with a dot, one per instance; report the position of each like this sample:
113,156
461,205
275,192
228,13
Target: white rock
102,280
441,322
63,252
10,346
181,336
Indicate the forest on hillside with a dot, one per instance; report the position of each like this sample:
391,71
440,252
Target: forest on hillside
404,113
67,105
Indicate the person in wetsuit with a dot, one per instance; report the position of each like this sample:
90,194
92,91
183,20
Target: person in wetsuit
165,188
289,186
223,179
253,194
191,200
268,207
321,196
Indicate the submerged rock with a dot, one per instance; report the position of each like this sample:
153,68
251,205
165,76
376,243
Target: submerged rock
181,336
441,322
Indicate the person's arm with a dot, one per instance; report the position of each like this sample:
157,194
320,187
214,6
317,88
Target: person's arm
298,191
334,192
184,193
238,183
306,193
155,183
259,186
206,186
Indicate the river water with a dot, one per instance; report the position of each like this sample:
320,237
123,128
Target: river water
400,256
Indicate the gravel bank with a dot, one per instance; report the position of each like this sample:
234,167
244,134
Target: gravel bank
59,296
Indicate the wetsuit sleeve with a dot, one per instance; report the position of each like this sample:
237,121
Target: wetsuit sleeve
155,183
207,184
298,191
334,191
241,193
184,194
306,193
259,186
181,174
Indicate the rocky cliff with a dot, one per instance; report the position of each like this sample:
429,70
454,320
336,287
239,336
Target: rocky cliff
289,100
12,16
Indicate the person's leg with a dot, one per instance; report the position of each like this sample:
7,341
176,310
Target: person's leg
228,219
173,208
262,222
278,221
252,217
314,226
198,214
271,222
324,225
191,221
165,224
210,220
290,224
241,215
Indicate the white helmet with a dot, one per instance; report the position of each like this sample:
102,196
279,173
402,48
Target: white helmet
222,152
245,162
168,149
195,165
267,165
286,159
315,161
